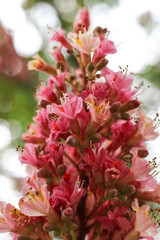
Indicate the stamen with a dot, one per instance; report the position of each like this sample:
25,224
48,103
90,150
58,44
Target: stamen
154,167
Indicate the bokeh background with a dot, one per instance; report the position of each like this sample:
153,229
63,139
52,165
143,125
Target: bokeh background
134,26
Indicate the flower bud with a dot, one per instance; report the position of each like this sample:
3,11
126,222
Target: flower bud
44,173
125,116
111,176
39,65
129,189
112,193
91,67
49,181
115,107
61,169
60,66
132,104
42,103
117,116
103,62
142,153
72,141
67,214
122,197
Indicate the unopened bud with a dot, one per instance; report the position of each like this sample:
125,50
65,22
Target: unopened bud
49,181
61,169
91,67
122,197
112,173
101,64
111,176
74,226
98,30
44,173
50,227
132,104
129,189
142,153
67,214
98,75
125,116
72,141
115,107
60,66
43,103
112,193
117,116
70,51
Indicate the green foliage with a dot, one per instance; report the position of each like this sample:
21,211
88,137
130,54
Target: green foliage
16,101
152,74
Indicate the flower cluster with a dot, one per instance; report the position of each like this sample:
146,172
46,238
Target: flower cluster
85,151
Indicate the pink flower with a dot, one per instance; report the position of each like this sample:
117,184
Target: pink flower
39,65
64,196
82,19
36,201
106,47
42,121
12,219
59,80
99,110
55,152
28,155
120,85
151,195
84,42
46,95
59,56
33,135
58,129
60,37
139,172
70,107
142,216
122,131
145,128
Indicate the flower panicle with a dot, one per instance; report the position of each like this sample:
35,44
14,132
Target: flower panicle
85,149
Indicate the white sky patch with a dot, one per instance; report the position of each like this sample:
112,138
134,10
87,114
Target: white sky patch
134,46
44,14
11,13
11,163
5,138
27,40
8,194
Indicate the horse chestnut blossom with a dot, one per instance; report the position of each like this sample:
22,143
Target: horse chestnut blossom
86,148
